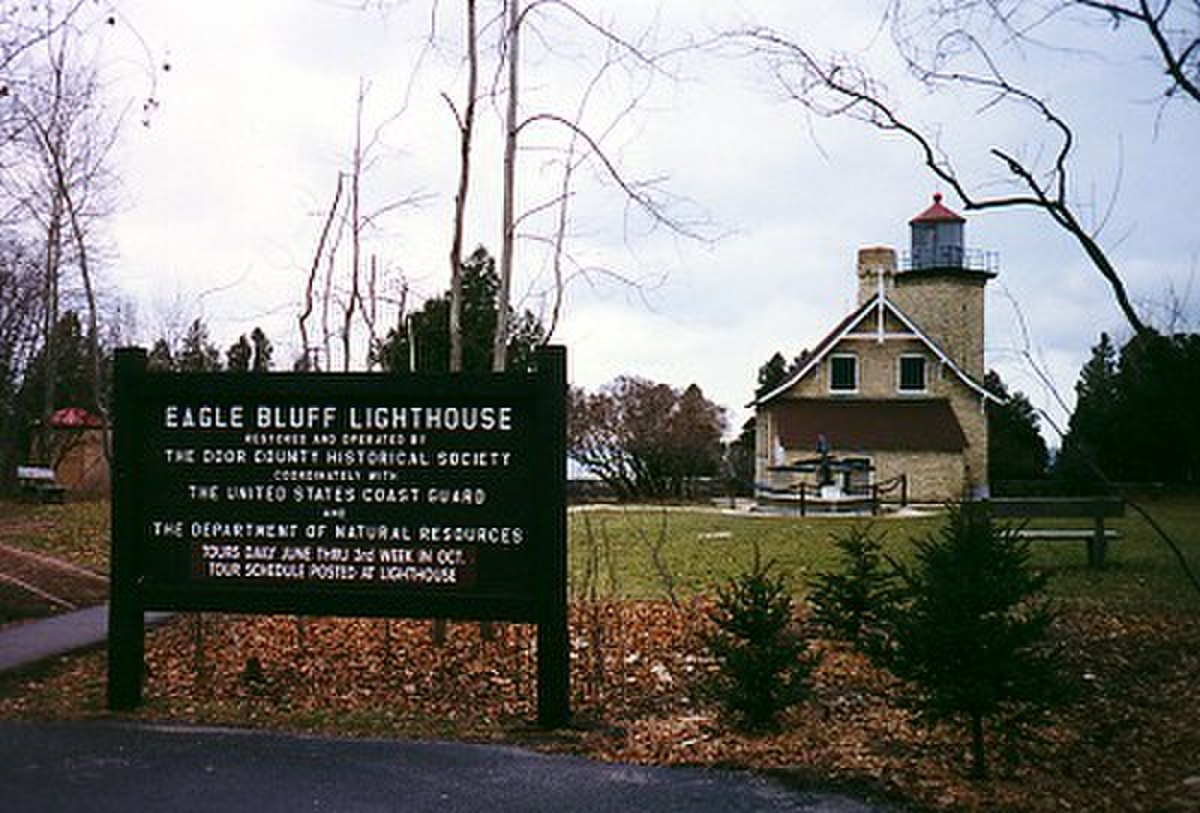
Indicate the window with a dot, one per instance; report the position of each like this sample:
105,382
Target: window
843,373
912,374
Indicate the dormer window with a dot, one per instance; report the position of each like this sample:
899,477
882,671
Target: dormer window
843,373
913,374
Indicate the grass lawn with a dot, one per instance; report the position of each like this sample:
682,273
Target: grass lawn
75,532
647,552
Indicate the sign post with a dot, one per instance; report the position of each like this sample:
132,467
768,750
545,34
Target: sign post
423,496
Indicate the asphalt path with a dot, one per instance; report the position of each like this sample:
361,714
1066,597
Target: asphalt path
104,766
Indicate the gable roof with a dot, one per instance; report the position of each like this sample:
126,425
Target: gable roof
927,424
881,307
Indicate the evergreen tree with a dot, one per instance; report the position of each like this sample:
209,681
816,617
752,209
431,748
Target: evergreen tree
74,383
425,340
764,666
1135,418
160,358
740,457
262,351
971,630
197,354
249,355
1090,442
1016,450
772,374
237,357
1156,436
856,601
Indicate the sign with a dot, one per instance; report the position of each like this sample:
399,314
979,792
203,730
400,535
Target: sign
340,494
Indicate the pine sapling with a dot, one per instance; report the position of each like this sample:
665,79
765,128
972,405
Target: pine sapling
972,633
855,602
764,663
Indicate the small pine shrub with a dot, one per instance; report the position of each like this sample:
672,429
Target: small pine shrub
971,634
764,665
855,602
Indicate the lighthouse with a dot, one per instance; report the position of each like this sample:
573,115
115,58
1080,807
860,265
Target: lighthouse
941,284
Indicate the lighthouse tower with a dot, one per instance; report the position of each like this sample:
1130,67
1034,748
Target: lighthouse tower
941,285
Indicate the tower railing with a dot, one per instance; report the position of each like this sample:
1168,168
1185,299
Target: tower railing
968,259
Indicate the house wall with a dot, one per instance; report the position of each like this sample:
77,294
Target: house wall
969,409
878,371
933,477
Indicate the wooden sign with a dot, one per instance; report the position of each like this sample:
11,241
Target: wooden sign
340,494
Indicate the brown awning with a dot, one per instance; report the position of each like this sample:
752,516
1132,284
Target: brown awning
865,425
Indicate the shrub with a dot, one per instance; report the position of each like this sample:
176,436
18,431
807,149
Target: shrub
763,662
972,629
854,602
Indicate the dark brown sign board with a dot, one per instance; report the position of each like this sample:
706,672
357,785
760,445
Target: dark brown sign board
355,494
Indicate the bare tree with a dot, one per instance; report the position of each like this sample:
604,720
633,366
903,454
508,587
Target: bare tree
1170,29
60,182
20,337
839,86
348,292
580,142
964,45
466,135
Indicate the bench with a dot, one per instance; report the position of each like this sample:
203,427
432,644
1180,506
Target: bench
1096,509
39,484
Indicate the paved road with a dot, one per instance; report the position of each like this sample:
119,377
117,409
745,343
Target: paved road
99,767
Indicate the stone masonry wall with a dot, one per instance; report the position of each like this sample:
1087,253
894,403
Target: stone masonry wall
949,311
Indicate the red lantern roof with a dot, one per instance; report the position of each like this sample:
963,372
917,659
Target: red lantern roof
74,418
937,212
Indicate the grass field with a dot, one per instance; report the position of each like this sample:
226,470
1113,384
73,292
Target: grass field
75,532
650,552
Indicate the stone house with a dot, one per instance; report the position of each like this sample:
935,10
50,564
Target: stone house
896,388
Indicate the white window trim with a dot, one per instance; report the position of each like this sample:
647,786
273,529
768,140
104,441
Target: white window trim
924,377
857,374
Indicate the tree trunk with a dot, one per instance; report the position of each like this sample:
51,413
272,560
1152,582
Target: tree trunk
466,129
508,224
979,768
50,305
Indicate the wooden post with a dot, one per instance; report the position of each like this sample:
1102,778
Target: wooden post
1098,544
553,651
126,625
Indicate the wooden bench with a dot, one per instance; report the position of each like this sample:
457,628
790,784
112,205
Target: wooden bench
1097,509
38,484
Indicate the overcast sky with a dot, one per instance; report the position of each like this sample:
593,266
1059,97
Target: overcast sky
224,192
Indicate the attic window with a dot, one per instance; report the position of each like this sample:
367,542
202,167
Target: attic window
843,373
912,374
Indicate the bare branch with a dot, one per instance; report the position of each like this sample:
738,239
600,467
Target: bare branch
306,346
840,88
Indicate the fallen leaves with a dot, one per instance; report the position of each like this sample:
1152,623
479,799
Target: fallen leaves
1128,742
